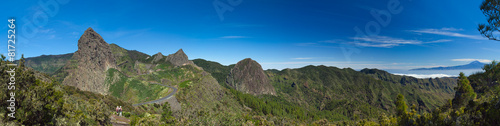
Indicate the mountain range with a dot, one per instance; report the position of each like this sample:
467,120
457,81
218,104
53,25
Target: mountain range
213,94
471,65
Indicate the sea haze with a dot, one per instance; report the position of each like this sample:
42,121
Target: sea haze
432,73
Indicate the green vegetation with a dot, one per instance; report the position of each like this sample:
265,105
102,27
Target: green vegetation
217,70
314,93
270,105
350,93
47,63
62,72
464,92
47,103
166,114
35,102
158,115
125,59
131,89
185,84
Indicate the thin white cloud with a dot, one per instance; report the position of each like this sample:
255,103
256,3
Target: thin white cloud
439,41
302,58
233,37
51,37
46,31
376,45
306,44
452,29
332,41
425,75
448,32
388,42
470,60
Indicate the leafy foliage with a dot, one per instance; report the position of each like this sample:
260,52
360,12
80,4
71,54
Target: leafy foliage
490,10
35,102
464,91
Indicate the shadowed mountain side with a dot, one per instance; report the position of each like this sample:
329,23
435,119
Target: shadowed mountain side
248,76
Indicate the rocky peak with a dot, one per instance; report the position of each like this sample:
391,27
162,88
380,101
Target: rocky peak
157,57
180,52
94,51
92,59
249,77
179,58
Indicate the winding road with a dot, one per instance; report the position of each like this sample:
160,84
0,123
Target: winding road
161,99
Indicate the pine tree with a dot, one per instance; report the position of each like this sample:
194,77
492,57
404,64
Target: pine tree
401,111
464,92
21,61
401,106
491,11
3,57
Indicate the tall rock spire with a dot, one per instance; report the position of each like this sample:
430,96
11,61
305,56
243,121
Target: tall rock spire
92,59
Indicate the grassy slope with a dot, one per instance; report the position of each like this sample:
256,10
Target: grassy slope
125,59
133,90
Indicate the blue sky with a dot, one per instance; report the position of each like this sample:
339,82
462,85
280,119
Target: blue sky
276,33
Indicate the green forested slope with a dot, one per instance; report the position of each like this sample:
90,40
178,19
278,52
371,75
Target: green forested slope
340,94
48,63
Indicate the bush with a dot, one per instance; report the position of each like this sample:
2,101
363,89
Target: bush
126,114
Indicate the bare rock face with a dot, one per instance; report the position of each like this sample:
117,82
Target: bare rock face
249,77
179,58
92,59
157,57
